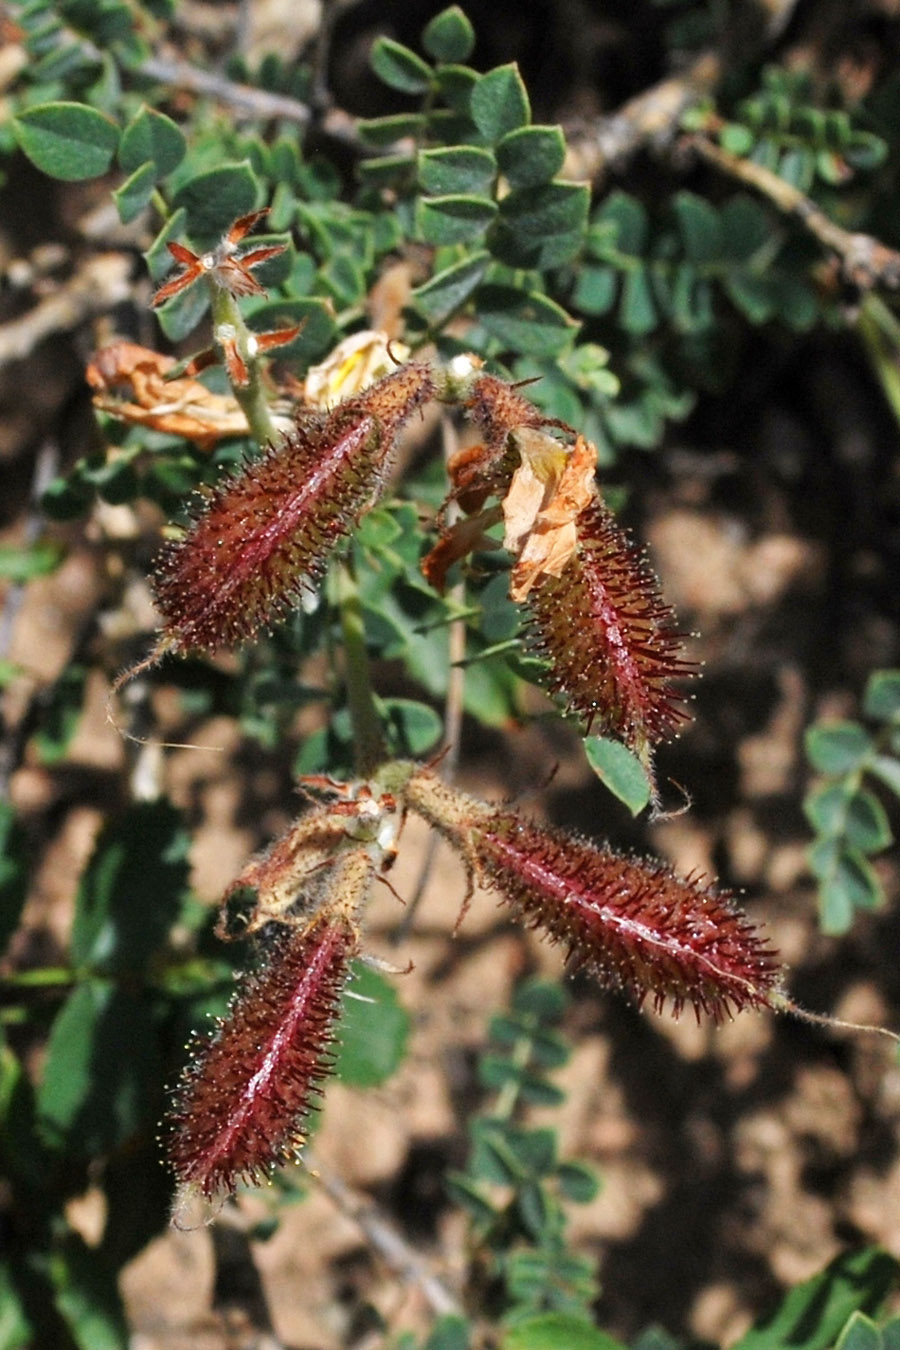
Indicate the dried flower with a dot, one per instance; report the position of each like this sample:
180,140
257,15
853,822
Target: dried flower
223,264
610,638
355,363
549,490
133,383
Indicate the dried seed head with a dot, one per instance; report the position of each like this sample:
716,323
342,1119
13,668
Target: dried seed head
610,638
241,1105
263,538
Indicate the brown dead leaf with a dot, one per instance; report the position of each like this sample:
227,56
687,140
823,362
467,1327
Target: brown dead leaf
549,490
130,384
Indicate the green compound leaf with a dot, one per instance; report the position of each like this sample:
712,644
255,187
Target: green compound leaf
882,697
890,1334
887,769
699,226
838,747
596,288
103,1062
412,728
215,198
316,337
385,170
131,889
542,226
87,1298
553,1331
621,771
373,1032
455,84
457,169
19,564
135,193
69,141
499,103
851,884
866,826
578,1182
16,1331
826,808
400,68
383,131
454,220
153,138
14,854
448,290
449,36
860,1333
531,155
814,1313
60,714
637,311
525,321
621,225
541,1000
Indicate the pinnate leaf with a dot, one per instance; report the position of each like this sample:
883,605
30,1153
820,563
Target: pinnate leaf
838,747
400,68
454,219
813,1313
499,103
551,1331
69,141
457,169
374,1030
621,771
882,696
531,155
449,36
216,197
152,137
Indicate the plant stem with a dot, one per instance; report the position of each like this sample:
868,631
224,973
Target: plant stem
368,744
250,396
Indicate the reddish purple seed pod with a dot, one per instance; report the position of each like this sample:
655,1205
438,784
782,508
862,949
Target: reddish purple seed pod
610,638
634,924
242,1102
264,536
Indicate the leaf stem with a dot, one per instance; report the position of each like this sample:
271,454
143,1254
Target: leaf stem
368,743
251,396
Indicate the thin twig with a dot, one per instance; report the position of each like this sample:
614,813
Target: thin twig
244,98
99,284
13,738
865,261
385,1240
650,118
454,705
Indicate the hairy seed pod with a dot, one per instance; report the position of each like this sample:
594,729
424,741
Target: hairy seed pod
635,924
241,1105
262,538
610,638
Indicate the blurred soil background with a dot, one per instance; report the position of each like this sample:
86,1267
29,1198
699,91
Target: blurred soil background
735,1161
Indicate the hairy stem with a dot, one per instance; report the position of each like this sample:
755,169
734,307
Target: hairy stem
368,743
251,396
